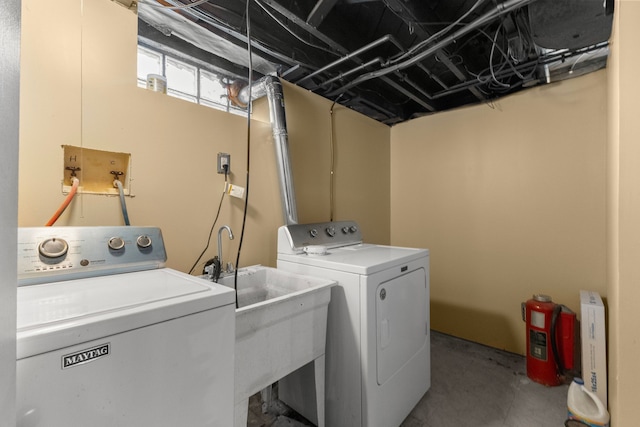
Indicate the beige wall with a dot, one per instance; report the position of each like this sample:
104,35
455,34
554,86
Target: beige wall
79,88
624,227
511,201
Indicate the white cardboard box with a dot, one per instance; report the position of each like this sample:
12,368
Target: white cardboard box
594,346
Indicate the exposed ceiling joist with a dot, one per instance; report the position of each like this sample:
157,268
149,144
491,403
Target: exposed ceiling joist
319,12
397,59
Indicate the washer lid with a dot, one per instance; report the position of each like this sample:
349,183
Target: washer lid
60,314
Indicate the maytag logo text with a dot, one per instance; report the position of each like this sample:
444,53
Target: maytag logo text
85,356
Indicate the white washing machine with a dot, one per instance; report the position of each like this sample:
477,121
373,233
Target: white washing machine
378,352
107,336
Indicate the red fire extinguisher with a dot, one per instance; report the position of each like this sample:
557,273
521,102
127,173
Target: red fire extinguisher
550,340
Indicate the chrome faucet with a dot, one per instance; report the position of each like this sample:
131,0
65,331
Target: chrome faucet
229,265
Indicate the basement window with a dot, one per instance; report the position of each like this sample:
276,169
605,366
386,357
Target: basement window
187,78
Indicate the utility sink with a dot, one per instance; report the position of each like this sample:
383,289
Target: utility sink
280,326
259,285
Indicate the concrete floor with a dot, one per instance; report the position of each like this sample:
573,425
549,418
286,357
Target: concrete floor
471,385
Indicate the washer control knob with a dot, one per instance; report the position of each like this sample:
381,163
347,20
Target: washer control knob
345,230
331,231
143,241
313,232
53,248
353,229
116,243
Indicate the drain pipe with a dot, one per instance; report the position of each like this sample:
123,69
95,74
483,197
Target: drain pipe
271,87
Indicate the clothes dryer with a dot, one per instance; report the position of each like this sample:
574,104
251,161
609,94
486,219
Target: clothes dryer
378,340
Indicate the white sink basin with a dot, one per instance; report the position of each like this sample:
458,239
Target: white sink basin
280,326
259,285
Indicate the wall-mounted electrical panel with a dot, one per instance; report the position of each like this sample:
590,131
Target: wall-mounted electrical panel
96,170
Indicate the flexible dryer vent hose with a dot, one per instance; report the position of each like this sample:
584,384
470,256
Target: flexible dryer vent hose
271,87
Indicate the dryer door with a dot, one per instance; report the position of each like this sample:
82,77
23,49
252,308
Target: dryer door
401,320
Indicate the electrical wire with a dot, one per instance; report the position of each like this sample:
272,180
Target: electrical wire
65,203
123,203
507,61
435,36
491,79
493,46
333,159
213,226
249,108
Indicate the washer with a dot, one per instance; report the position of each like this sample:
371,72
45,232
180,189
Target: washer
378,342
108,336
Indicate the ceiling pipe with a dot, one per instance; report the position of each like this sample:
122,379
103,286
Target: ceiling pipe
499,10
271,87
545,61
351,55
441,54
360,67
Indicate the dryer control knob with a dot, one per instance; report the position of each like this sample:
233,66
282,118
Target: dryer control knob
345,230
353,229
331,231
116,243
313,232
143,241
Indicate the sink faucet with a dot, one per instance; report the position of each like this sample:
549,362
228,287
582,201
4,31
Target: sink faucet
229,265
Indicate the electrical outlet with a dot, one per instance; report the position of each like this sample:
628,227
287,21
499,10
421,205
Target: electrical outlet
224,159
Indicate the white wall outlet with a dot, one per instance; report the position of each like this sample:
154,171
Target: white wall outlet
224,159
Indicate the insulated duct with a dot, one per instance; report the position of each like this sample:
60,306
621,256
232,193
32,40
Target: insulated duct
271,87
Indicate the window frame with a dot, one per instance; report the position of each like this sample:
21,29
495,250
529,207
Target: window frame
165,52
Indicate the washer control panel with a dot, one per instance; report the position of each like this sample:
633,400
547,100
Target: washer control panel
52,254
296,237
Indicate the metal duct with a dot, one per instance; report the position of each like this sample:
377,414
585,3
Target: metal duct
272,88
570,24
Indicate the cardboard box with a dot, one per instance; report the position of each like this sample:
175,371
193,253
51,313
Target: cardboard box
594,345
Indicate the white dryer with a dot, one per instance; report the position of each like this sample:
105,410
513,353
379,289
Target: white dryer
107,336
378,341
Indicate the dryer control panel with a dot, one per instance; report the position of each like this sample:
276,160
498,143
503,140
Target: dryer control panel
52,254
295,238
